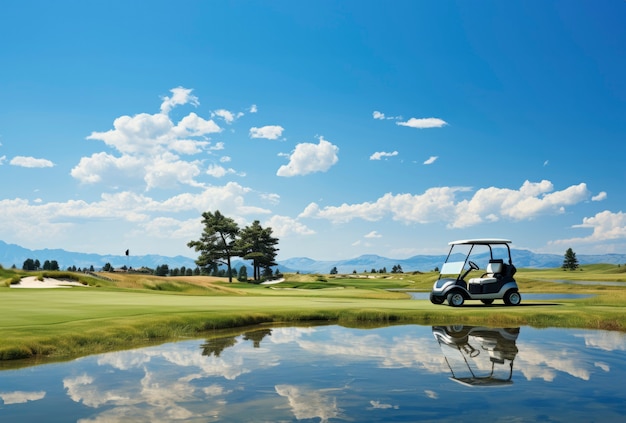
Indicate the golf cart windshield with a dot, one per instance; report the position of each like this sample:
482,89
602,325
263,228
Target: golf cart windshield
452,268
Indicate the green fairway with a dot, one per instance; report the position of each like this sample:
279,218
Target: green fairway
136,310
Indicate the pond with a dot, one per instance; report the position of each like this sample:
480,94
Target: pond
331,373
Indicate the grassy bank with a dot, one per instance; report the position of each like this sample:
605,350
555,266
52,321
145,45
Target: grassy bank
124,310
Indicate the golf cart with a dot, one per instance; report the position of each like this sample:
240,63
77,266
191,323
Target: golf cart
478,356
496,282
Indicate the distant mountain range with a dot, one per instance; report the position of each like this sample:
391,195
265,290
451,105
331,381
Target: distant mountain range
11,254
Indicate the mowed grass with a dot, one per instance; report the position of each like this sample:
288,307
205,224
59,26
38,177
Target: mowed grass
129,310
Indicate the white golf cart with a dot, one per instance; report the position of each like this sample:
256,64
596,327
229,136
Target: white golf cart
496,282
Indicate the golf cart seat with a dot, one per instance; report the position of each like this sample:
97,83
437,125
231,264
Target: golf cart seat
494,272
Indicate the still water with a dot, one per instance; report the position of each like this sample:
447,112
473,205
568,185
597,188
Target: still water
405,373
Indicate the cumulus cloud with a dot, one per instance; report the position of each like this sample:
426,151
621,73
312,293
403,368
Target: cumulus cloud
441,204
228,116
601,196
531,200
179,97
423,123
151,146
284,226
373,234
605,226
270,132
127,214
309,158
431,160
219,171
253,109
380,154
24,161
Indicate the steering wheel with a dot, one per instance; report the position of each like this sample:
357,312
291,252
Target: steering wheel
473,265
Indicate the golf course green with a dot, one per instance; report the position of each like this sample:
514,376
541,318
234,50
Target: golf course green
119,311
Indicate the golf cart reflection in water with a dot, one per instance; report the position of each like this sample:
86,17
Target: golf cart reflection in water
478,356
495,283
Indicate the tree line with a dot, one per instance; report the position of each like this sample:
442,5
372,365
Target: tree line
222,239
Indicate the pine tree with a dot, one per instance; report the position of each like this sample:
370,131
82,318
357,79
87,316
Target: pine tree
570,262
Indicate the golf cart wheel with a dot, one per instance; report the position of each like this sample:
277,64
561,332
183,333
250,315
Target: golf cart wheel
487,302
512,297
455,299
436,300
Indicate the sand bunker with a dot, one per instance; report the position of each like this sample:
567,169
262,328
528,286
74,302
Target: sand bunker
33,282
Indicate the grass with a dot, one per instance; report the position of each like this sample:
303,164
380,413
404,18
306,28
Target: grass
129,310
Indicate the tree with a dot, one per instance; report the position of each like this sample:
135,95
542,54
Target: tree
570,262
162,270
29,265
243,274
257,244
217,242
333,271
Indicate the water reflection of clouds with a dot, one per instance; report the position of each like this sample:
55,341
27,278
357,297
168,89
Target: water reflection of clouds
407,351
21,397
177,382
546,361
151,399
310,403
156,396
604,340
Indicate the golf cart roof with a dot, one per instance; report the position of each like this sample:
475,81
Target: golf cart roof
483,241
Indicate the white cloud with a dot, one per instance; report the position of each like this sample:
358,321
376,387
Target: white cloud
381,116
271,198
308,158
423,123
606,226
253,109
219,171
30,162
166,171
194,125
228,116
431,160
442,205
126,215
601,196
284,226
179,97
380,154
531,200
150,146
225,159
373,234
2,159
270,132
434,205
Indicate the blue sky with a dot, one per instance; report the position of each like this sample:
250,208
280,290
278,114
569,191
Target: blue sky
355,127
